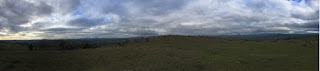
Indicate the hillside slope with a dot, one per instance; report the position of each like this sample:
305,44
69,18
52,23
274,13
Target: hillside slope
172,53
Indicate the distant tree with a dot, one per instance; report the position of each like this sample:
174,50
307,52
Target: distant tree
86,46
69,47
147,39
43,43
30,47
126,41
62,44
274,40
120,44
94,45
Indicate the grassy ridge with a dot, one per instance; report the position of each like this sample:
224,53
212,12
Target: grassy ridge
173,53
10,46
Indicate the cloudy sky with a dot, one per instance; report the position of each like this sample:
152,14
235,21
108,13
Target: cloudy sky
65,19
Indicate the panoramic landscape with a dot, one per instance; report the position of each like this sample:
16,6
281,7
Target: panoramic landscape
159,35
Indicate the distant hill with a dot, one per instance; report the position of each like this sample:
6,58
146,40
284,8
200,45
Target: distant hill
52,44
260,37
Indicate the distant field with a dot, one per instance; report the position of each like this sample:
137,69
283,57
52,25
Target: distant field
172,53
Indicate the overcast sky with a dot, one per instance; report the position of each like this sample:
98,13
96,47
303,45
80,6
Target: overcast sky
65,19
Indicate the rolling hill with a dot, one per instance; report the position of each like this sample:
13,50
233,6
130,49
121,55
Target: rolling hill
173,53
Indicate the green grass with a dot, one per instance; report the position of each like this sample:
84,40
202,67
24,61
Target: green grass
173,53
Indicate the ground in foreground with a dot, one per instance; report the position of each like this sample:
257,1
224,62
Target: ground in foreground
173,53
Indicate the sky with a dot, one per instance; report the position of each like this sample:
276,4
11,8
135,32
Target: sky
72,19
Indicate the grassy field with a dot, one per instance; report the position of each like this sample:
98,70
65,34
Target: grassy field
173,53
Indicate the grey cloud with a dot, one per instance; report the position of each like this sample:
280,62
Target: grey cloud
86,22
254,17
64,7
57,29
307,16
39,24
156,7
114,6
71,5
154,17
15,29
15,13
151,7
312,24
309,26
141,32
256,5
44,9
63,29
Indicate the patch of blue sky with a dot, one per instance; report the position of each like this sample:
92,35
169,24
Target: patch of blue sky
108,19
54,18
295,0
77,12
80,10
298,3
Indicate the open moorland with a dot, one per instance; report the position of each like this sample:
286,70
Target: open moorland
167,53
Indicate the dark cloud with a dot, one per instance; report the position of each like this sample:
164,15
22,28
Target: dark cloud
113,6
40,24
312,25
63,29
309,26
44,9
71,5
65,7
156,7
256,6
142,32
15,29
151,7
307,16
